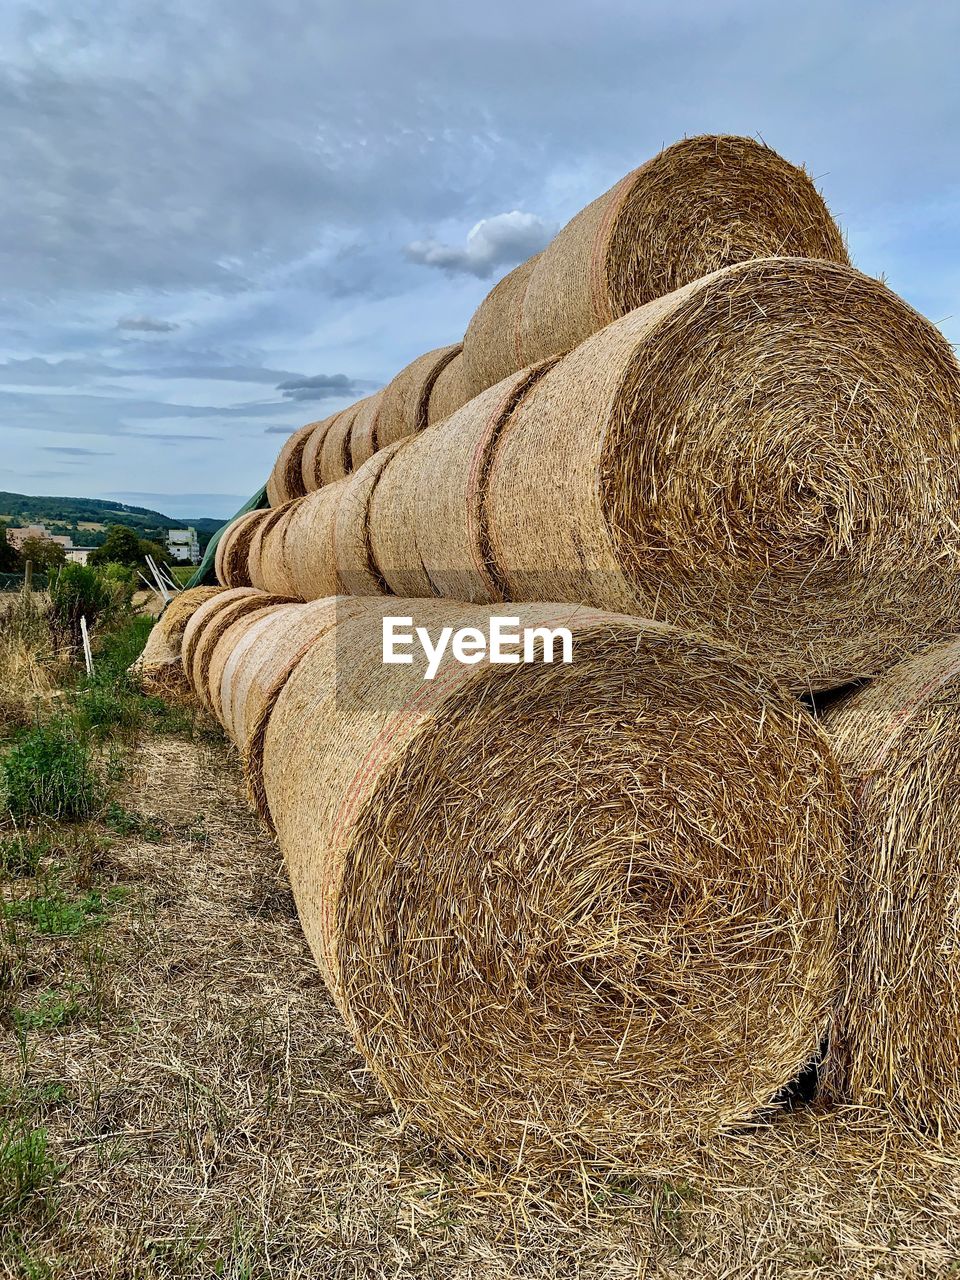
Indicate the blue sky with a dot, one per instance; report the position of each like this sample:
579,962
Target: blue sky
225,220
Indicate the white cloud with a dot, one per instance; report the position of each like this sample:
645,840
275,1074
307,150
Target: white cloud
500,241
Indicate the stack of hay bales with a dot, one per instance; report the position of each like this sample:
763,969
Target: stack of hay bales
699,205
543,951
596,910
771,453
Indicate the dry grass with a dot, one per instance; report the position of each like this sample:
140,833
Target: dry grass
30,666
212,1119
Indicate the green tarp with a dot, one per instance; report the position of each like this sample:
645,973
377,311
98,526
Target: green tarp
206,573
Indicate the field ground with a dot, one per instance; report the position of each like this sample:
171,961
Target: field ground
180,1099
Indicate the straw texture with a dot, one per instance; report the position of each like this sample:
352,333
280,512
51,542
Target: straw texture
351,549
491,345
403,407
897,1041
392,523
271,567
335,450
201,617
233,550
310,460
700,205
449,392
770,453
308,547
363,435
286,479
203,644
544,950
226,643
159,664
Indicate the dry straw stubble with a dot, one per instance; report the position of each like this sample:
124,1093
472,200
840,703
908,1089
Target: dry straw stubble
544,948
897,1041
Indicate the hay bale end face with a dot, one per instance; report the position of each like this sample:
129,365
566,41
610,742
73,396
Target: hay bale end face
700,205
771,454
897,1039
543,948
159,667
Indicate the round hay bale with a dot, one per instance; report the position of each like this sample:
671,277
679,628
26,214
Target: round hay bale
897,1038
335,451
216,625
235,561
273,575
544,950
491,345
700,205
261,669
392,523
225,644
403,407
219,555
308,548
158,666
449,392
770,454
312,449
203,616
286,479
255,552
363,434
453,463
251,647
357,572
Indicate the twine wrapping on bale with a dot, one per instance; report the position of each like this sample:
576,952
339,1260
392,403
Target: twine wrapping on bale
491,345
573,910
286,479
251,648
700,205
312,450
449,392
363,434
403,407
204,642
770,453
159,667
233,549
897,1038
335,450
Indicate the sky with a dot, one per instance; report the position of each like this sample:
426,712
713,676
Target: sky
224,220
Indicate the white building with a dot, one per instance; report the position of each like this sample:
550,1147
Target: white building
183,545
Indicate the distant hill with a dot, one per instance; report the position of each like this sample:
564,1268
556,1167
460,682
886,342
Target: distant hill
86,519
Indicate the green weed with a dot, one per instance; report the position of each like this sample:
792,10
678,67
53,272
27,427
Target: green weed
49,773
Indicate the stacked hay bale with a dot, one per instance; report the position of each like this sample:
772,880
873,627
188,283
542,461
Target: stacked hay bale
591,911
159,668
700,205
898,1031
771,453
567,962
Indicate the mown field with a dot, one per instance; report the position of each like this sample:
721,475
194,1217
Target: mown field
179,1098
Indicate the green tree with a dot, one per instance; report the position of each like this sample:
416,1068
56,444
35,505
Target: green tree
122,546
44,553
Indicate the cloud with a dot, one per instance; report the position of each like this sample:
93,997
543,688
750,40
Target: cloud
501,241
280,431
322,386
72,452
147,324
